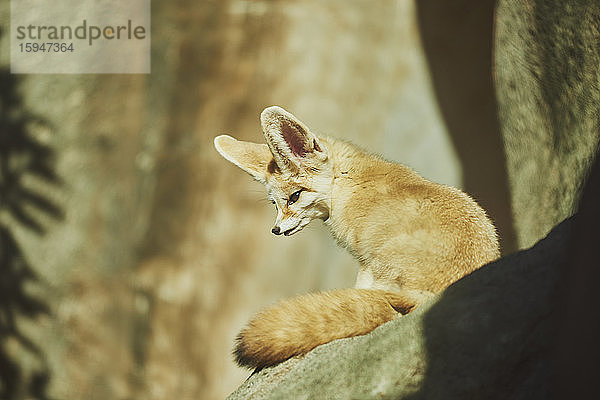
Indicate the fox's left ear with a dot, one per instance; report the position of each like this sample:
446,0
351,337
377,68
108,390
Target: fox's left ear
292,144
251,157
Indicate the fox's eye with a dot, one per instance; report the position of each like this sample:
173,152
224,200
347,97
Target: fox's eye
294,197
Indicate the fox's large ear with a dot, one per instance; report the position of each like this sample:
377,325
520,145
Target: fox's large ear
293,146
251,157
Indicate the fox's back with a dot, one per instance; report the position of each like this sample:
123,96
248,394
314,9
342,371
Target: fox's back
407,230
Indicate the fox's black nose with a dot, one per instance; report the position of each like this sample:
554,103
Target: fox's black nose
276,230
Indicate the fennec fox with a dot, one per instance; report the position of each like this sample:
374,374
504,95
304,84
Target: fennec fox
412,237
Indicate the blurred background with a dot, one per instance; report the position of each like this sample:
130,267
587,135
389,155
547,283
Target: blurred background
132,253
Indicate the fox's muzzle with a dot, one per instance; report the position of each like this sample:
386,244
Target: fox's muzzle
276,230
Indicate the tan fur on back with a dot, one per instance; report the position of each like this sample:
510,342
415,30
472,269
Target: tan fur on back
410,233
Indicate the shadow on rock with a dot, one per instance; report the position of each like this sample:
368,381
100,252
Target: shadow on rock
22,157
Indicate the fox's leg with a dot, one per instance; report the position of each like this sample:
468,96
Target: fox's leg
400,303
405,300
402,299
297,325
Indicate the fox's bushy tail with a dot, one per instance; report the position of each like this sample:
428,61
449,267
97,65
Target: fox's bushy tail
297,325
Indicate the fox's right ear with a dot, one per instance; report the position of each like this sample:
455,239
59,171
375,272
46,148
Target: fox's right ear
251,157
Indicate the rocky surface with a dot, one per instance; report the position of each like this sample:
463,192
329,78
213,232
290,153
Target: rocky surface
546,67
487,336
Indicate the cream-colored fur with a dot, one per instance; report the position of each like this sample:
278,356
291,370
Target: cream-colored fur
412,237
